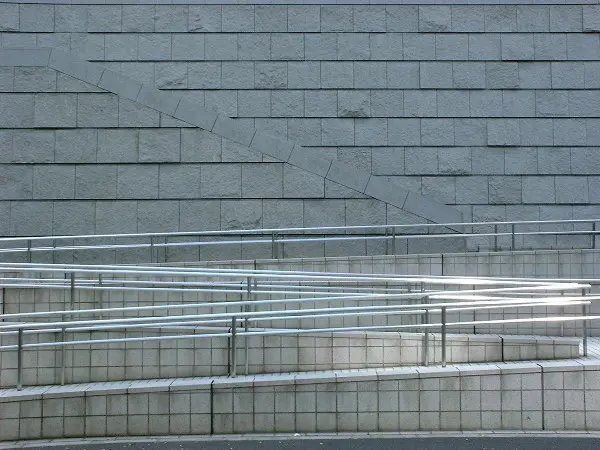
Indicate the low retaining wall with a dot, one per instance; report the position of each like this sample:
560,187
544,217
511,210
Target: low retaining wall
189,357
529,396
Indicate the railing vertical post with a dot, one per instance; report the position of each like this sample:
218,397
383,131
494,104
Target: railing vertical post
29,251
246,306
233,347
393,240
274,252
20,359
63,357
425,321
512,236
72,290
496,237
585,326
443,336
387,244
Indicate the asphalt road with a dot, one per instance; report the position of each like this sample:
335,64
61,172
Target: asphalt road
388,443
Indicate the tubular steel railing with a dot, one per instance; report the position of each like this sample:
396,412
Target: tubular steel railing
495,233
428,296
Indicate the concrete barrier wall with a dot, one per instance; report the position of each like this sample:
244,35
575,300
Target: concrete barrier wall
194,357
526,396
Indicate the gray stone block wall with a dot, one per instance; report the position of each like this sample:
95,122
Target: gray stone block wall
491,109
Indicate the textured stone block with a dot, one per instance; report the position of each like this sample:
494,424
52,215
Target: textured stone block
160,145
441,189
569,132
533,18
287,104
193,114
451,47
234,130
55,110
29,146
170,75
116,217
314,164
254,46
584,47
591,18
304,18
270,18
435,75
518,104
21,214
353,46
571,190
502,18
75,146
448,102
37,18
553,160
420,160
566,18
348,176
254,103
568,75
104,18
298,183
471,190
485,103
137,18
96,182
369,75
117,146
468,75
270,75
97,110
404,132
241,215
505,190
16,110
179,181
467,18
33,79
353,104
337,75
403,75
121,47
550,46
282,213
437,132
200,146
170,18
387,103
369,18
323,213
402,18
538,190
132,114
517,47
484,47
337,132
387,46
9,17
221,46
221,181
520,161
534,76
16,182
470,131
271,145
137,181
420,103
419,46
204,18
304,131
157,216
304,75
287,47
336,18
502,75
536,131
262,180
388,161
204,75
73,218
188,46
435,18
237,18
503,132
154,47
199,215
7,77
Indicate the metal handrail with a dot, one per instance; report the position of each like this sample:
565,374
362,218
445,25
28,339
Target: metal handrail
280,236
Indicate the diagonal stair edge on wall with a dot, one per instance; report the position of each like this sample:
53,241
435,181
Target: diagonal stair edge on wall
258,141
